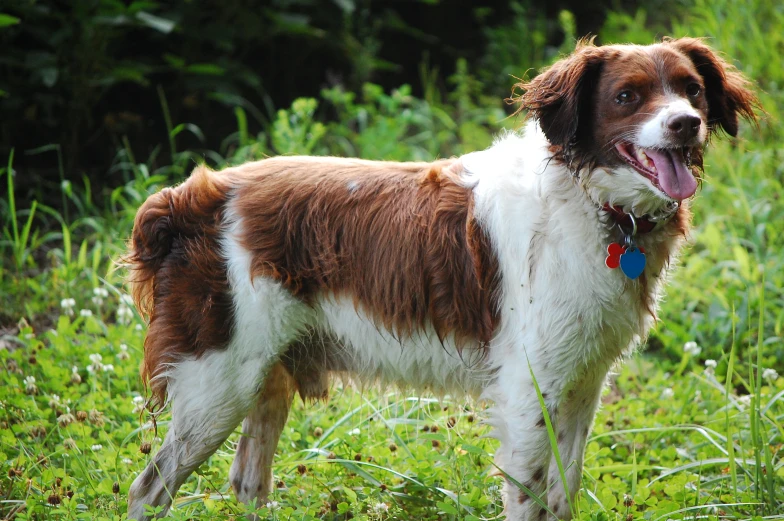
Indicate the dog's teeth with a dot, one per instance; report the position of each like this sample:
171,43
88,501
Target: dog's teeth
642,157
639,154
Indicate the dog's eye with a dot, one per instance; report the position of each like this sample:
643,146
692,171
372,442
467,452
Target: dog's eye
693,89
625,97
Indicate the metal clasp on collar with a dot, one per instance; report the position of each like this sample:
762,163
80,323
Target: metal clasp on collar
628,238
666,214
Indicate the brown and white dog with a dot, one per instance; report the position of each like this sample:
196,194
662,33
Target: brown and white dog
461,276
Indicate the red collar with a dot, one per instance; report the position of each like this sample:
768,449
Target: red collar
624,221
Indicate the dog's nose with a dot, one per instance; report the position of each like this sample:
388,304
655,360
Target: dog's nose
684,126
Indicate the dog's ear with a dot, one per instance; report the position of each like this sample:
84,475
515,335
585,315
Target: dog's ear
560,95
728,91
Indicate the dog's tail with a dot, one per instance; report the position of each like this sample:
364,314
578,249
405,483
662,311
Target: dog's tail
166,227
179,212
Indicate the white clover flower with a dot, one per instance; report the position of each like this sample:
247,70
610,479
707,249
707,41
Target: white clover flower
354,432
127,461
139,327
123,354
64,420
272,505
124,314
138,404
54,401
85,313
30,386
68,304
127,300
744,401
98,295
75,378
770,374
710,366
381,507
691,348
97,363
108,368
667,393
96,447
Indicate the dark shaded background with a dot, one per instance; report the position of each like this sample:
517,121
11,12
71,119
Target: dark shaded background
82,76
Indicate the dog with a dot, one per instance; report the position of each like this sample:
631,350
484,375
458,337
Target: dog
539,260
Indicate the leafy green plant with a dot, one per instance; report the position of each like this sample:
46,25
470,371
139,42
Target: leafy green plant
20,239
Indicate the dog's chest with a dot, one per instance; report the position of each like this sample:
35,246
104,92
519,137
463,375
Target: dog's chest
565,306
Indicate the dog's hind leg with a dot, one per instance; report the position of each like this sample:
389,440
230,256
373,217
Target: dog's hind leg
251,472
211,394
209,397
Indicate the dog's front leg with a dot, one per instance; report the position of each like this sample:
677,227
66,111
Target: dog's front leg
576,415
525,452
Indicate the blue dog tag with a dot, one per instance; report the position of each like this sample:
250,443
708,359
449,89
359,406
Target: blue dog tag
633,262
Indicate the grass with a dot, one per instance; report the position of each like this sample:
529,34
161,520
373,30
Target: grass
685,432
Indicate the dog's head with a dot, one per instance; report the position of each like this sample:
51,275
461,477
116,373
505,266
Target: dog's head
632,120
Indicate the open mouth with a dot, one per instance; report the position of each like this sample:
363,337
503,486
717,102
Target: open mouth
667,168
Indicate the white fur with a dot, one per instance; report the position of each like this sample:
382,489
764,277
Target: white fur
562,311
653,132
420,361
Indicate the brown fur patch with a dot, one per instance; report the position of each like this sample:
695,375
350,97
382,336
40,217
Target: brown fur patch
662,245
178,275
400,238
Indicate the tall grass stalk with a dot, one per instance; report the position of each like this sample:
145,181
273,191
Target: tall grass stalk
552,437
727,421
19,238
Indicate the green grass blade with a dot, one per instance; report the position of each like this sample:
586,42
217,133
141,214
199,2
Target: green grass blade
551,435
727,422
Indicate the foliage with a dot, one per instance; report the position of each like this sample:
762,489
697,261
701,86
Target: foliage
86,75
515,48
692,429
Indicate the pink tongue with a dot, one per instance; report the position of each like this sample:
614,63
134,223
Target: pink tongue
675,178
